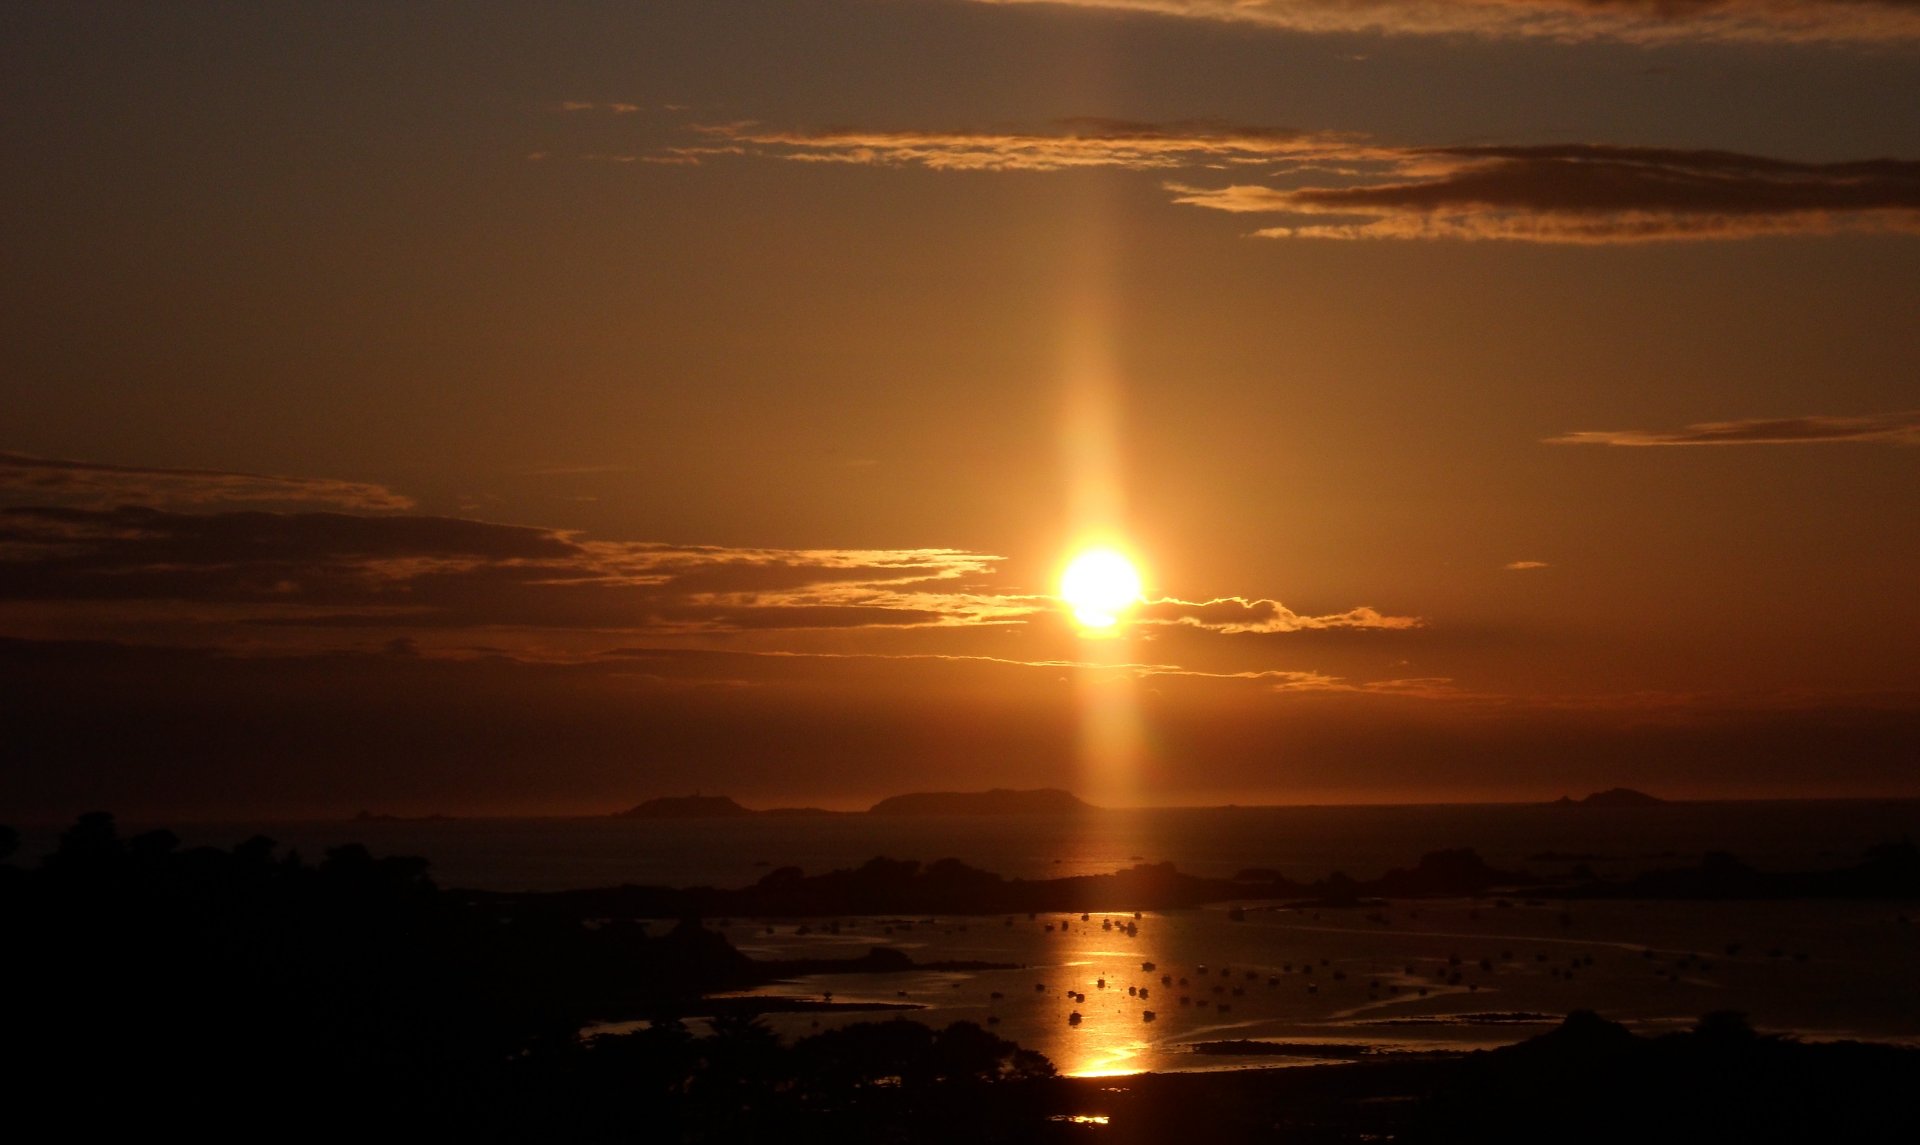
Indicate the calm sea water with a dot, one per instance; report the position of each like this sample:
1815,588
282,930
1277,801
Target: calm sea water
1302,842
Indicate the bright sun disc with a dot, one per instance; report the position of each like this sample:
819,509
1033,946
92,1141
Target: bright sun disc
1099,585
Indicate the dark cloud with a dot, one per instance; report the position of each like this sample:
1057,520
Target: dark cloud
43,479
1898,428
331,568
1586,194
1631,21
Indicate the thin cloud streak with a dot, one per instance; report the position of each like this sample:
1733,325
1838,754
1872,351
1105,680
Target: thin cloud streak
1901,428
93,483
1237,615
1077,143
1629,21
615,108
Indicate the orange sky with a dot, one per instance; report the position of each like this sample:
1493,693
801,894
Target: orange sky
530,408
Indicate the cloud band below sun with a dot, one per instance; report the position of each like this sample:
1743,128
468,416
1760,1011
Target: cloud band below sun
90,550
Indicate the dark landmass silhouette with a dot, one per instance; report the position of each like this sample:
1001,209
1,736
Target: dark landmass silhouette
1612,797
225,989
949,886
248,993
999,801
1886,871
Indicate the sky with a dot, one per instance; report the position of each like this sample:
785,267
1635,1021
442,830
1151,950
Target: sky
496,408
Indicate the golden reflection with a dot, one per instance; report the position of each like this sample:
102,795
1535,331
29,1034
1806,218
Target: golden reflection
1102,980
1114,1058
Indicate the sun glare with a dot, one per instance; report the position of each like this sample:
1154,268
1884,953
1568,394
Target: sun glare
1099,585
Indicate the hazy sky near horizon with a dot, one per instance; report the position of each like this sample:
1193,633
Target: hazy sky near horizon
503,407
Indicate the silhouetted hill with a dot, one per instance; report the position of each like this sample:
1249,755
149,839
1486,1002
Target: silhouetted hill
999,801
685,807
1612,797
949,886
1886,871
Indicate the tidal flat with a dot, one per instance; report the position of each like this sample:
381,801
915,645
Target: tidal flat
1408,976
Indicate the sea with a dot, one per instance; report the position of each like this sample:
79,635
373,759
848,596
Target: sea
1116,993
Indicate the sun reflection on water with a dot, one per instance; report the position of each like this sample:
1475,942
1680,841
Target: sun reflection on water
1113,1057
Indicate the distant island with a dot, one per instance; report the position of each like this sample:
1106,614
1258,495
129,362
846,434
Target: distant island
999,801
1611,797
686,807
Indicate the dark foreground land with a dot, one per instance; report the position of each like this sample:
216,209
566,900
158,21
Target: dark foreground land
1588,1081
243,993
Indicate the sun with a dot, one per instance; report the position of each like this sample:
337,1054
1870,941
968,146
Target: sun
1099,585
